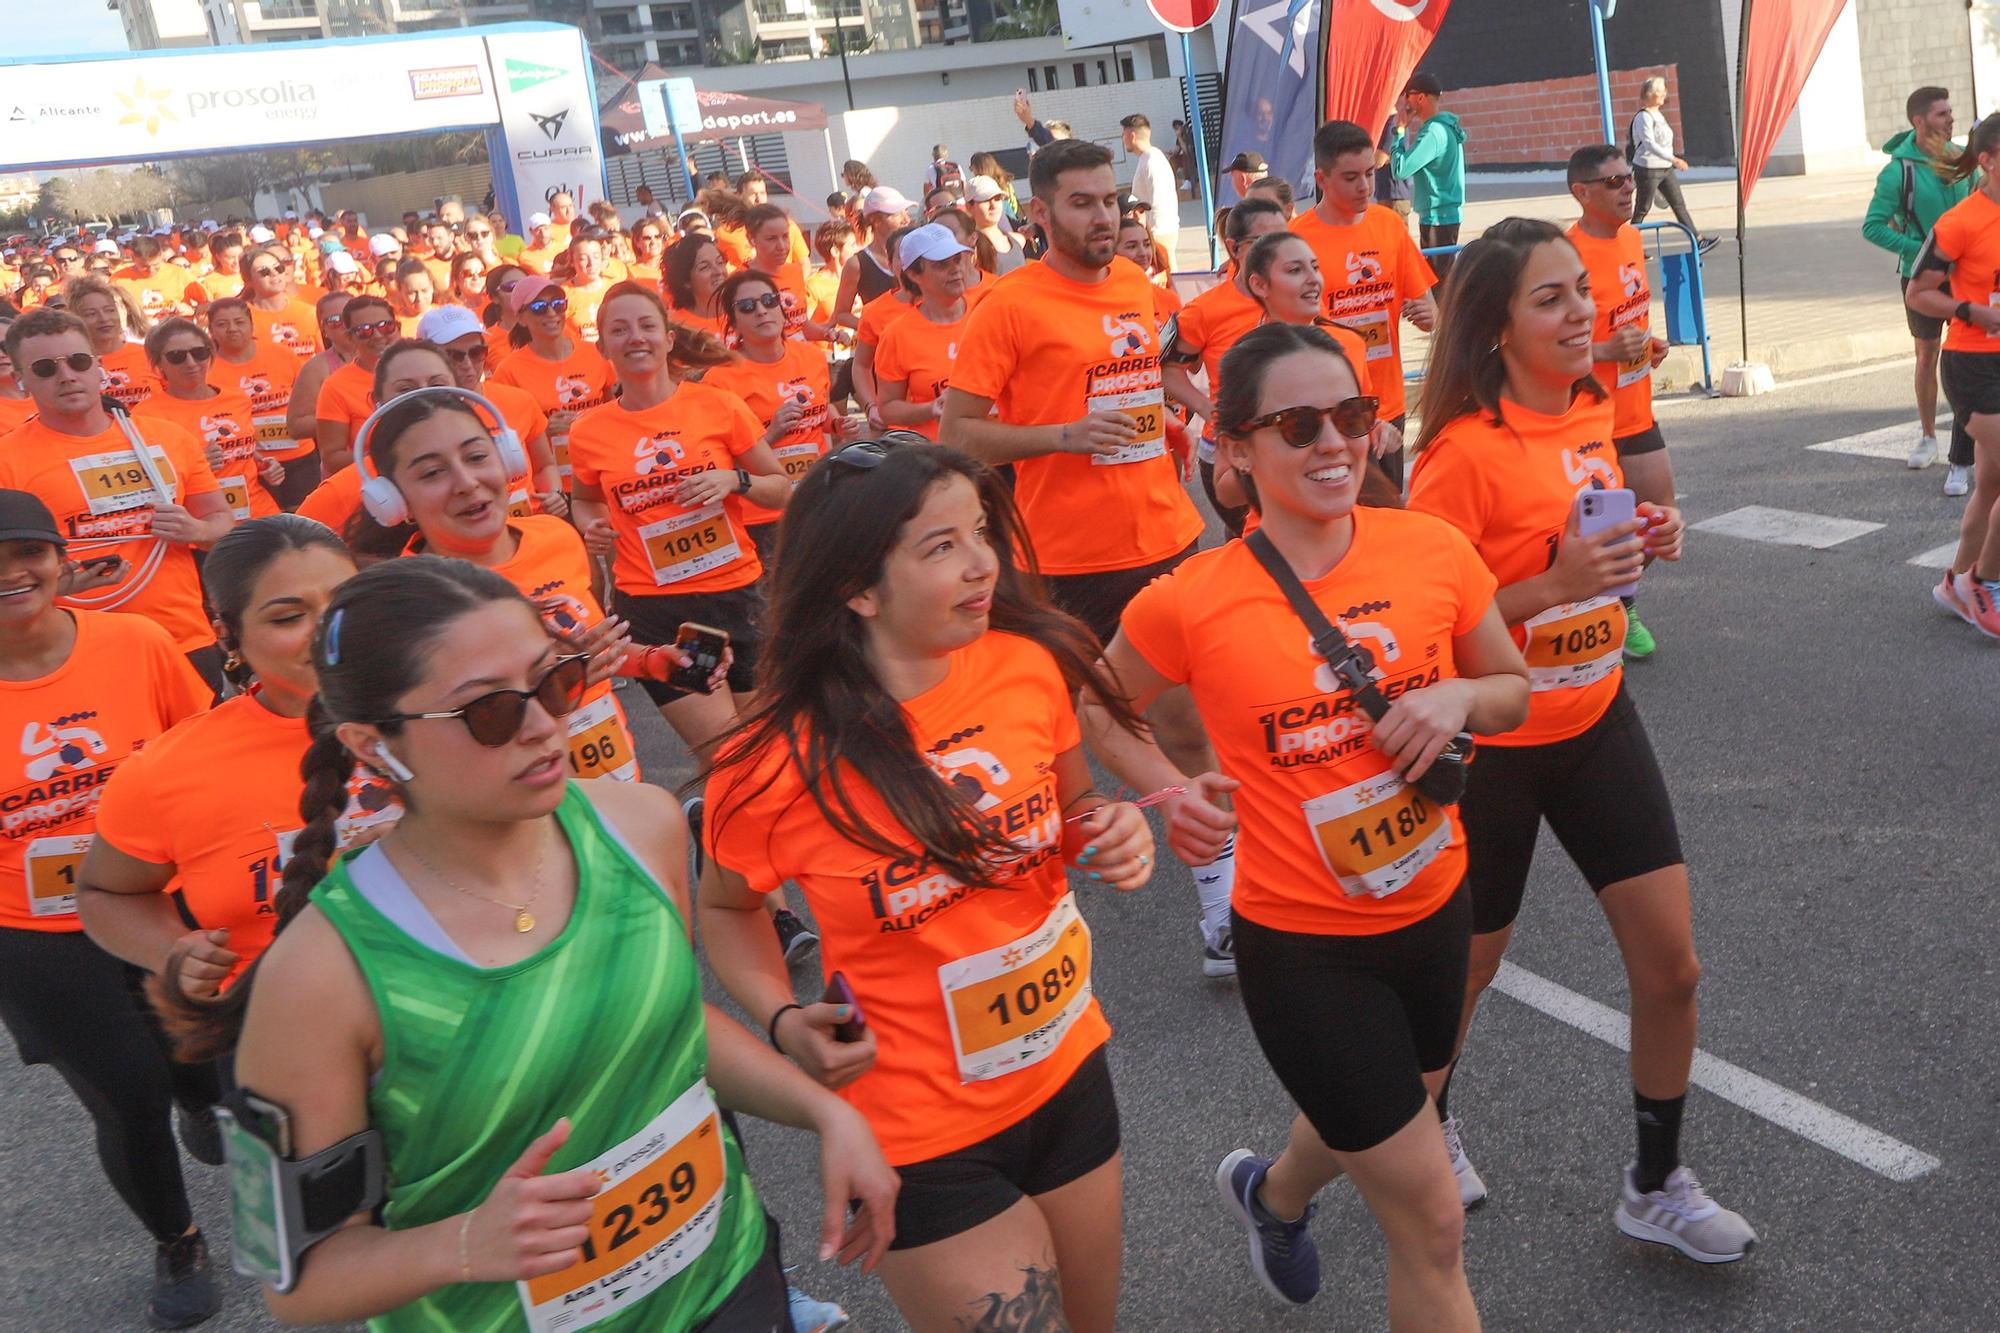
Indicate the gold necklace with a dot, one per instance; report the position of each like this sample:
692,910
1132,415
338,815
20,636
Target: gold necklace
524,920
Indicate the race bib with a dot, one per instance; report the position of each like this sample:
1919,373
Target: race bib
520,503
1148,410
1575,644
1010,1006
236,494
50,867
559,444
272,434
1641,366
114,482
1376,835
798,458
688,544
655,1215
599,745
1373,328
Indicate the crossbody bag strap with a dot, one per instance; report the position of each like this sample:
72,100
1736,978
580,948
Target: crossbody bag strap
1352,664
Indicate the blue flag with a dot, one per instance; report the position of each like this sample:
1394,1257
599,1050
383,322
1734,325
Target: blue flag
1271,88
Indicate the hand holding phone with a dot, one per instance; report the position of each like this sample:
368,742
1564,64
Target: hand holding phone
838,991
703,647
1601,553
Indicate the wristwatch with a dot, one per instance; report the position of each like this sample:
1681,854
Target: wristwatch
742,481
1962,312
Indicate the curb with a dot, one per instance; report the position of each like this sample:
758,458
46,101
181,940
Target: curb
1803,356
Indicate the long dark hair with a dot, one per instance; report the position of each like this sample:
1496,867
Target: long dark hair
371,648
1241,391
235,563
677,269
819,702
364,535
1984,139
1466,372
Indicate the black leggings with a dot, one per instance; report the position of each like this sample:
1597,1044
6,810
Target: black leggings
75,1008
1666,182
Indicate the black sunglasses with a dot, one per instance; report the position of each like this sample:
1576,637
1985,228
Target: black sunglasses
1299,426
543,305
279,271
1618,182
477,352
494,719
478,235
45,368
179,355
866,454
747,305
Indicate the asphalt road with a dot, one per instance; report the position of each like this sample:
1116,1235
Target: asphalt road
1828,737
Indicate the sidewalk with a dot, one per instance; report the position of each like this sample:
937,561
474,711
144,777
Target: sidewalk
1821,297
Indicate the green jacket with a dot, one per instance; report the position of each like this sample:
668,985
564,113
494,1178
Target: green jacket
1434,164
1885,223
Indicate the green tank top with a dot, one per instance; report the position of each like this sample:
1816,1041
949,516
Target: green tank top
604,1025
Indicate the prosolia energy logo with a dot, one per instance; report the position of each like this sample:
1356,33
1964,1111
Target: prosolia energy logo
154,107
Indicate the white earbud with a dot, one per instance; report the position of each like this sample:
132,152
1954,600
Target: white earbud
397,768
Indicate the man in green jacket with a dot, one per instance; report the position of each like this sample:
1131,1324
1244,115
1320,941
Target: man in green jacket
1910,195
1430,154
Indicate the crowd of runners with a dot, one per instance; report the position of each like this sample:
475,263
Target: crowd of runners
334,560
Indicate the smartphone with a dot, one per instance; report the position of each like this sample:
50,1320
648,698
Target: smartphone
268,1121
839,992
102,564
704,647
1598,510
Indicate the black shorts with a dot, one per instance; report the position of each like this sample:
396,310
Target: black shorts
302,478
1602,794
1062,1140
1350,1024
1099,599
1971,382
1923,328
764,536
1647,441
759,1304
657,618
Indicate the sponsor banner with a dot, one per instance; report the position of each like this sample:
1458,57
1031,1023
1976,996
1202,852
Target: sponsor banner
1270,92
548,121
247,97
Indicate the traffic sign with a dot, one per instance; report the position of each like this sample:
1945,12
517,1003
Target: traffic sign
1183,15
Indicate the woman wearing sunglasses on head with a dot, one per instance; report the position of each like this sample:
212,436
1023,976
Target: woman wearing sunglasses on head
566,375
504,989
1512,442
1350,916
182,356
913,763
785,382
84,691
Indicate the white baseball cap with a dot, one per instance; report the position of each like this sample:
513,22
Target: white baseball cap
885,199
448,323
261,234
290,215
933,240
538,220
980,189
379,245
343,263
210,224
105,247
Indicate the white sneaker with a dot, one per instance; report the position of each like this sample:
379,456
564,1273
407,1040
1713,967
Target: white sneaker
1218,953
1925,452
1471,1189
1958,480
1681,1214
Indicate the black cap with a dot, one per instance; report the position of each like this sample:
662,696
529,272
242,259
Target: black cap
24,518
1132,203
1427,84
1248,161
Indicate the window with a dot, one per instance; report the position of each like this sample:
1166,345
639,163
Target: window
1079,75
1034,80
1125,74
1102,78
1049,77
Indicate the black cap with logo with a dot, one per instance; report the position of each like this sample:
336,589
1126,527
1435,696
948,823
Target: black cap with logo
24,518
1248,161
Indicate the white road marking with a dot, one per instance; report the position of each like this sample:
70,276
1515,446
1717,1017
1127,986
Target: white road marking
1786,527
1788,1110
1804,381
1938,557
1892,442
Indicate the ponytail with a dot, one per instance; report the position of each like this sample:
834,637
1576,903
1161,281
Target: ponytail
1984,140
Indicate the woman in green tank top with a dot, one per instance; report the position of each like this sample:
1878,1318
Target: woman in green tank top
504,987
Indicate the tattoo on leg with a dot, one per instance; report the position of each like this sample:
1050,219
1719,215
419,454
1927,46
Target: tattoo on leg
1037,1309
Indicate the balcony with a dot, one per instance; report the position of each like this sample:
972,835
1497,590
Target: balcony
813,11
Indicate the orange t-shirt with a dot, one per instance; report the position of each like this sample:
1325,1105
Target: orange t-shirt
128,375
979,997
226,422
635,459
918,355
102,500
577,383
524,416
822,287
791,283
734,243
1047,350
294,328
801,373
1370,268
334,501
124,684
1330,841
217,798
1166,302
1619,287
1968,234
583,303
877,315
212,286
538,258
14,411
159,293
347,396
1510,488
267,377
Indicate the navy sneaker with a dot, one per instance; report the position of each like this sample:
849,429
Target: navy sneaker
1282,1253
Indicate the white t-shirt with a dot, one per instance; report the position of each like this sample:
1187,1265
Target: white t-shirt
1153,182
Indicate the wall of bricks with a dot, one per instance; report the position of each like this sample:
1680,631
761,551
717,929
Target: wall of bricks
1540,123
1908,43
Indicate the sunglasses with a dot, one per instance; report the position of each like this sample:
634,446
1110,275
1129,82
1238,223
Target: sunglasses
466,354
69,259
494,719
1299,426
546,304
479,235
749,305
179,355
374,328
45,368
277,272
867,454
1618,182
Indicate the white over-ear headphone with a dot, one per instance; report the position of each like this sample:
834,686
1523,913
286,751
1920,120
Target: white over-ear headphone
380,496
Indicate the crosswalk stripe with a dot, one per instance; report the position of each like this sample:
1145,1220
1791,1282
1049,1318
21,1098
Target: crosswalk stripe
1892,442
1938,557
1786,527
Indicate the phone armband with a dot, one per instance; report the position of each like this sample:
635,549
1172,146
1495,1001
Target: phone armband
281,1207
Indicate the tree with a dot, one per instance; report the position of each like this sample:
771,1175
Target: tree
1025,18
735,53
104,193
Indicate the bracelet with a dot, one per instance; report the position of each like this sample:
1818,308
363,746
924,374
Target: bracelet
771,1030
1084,796
464,1259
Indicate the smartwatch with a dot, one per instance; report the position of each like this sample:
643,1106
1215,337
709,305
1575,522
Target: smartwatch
1962,312
742,481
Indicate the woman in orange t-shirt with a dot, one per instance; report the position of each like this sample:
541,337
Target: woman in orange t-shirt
784,382
182,354
566,375
915,766
1136,243
649,251
200,821
691,276
114,323
84,691
468,282
1350,916
1510,443
913,360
